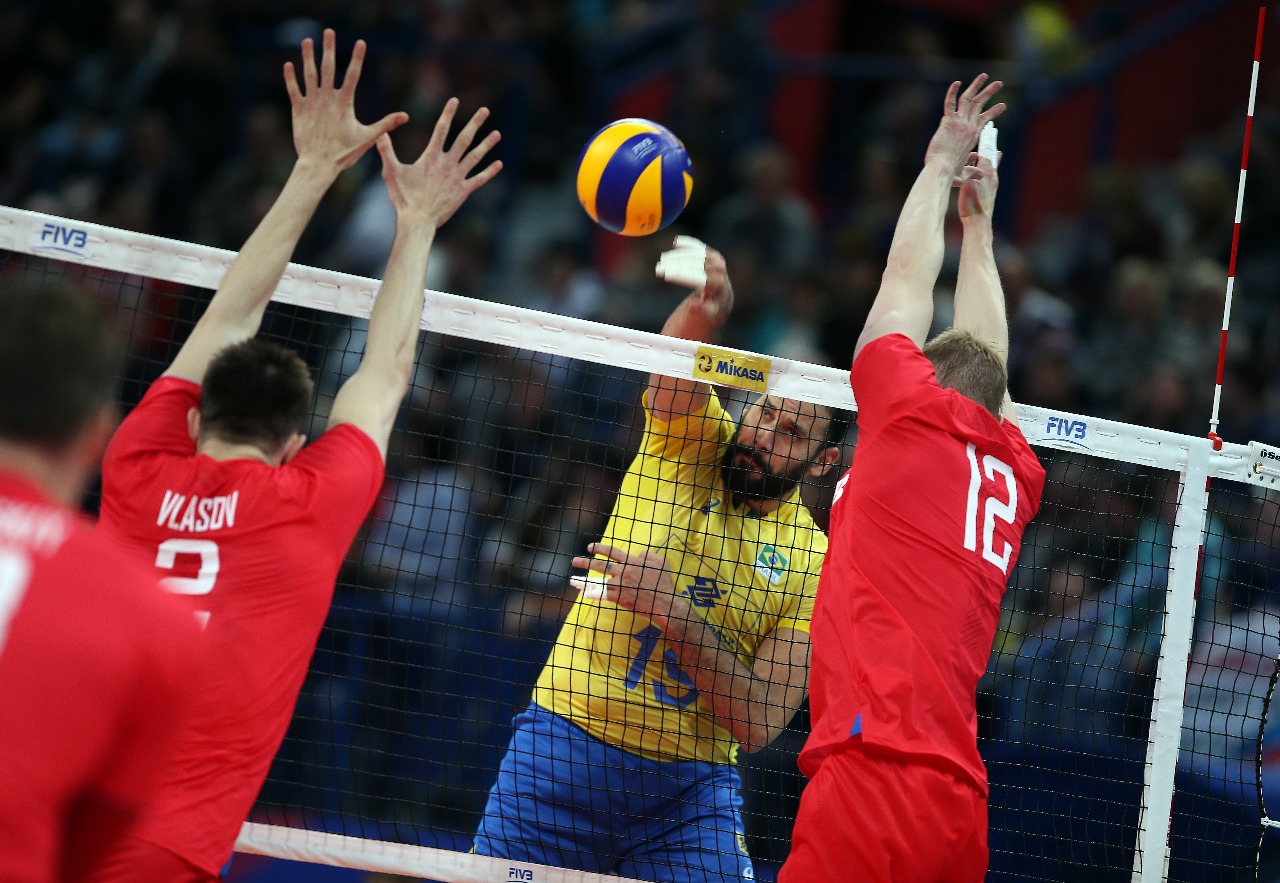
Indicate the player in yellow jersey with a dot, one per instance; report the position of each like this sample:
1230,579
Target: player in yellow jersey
690,637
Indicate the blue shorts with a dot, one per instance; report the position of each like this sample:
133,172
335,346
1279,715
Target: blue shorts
565,798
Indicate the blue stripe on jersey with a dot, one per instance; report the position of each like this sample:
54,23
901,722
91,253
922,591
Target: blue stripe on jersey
857,726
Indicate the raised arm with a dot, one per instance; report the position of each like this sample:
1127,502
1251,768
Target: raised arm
979,303
425,195
700,316
904,304
328,139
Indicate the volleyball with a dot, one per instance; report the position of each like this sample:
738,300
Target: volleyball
634,177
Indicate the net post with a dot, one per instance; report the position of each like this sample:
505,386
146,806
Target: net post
1164,741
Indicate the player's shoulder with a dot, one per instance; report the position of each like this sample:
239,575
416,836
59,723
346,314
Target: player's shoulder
168,392
887,349
344,447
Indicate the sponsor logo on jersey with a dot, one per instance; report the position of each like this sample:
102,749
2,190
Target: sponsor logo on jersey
706,509
64,240
703,591
1066,431
731,368
771,564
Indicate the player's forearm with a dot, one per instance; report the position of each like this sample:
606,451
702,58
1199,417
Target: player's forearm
670,396
979,300
253,276
397,312
739,700
915,256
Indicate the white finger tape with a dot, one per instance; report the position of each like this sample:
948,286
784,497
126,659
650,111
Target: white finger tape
685,264
593,585
987,144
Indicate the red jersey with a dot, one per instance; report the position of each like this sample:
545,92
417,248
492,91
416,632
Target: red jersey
256,551
94,660
925,529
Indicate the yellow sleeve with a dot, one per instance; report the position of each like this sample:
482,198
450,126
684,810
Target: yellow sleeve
690,438
672,475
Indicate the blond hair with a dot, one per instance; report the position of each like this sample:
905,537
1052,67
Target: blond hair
970,366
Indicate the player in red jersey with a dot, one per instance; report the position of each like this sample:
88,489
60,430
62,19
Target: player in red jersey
925,529
94,657
208,479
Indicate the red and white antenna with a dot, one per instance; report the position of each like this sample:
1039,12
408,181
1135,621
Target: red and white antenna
1235,232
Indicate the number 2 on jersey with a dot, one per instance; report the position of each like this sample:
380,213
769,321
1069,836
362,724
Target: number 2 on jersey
202,582
991,507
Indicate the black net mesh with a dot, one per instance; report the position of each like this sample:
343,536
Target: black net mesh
506,463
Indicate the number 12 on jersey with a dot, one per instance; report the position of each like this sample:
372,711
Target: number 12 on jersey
987,506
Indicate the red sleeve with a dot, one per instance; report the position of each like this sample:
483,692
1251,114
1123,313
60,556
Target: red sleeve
157,423
888,370
1029,465
349,466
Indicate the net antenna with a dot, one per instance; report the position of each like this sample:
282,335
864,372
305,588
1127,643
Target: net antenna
1235,230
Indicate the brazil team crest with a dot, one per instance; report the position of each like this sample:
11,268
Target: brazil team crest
771,564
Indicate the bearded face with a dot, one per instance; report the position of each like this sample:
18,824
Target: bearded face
747,474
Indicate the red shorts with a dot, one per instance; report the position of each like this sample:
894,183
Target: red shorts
137,861
875,818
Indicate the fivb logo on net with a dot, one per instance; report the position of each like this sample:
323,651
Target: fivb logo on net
1066,431
63,239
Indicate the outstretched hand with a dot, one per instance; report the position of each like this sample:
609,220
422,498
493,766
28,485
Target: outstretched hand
325,128
434,186
963,116
977,195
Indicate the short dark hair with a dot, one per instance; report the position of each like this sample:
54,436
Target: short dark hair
970,366
255,392
59,362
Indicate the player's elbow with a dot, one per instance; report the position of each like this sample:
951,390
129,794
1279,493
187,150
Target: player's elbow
758,738
390,376
755,736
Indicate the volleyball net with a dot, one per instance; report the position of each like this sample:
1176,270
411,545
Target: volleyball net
1121,718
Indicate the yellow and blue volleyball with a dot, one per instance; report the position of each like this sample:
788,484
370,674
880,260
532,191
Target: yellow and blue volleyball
634,177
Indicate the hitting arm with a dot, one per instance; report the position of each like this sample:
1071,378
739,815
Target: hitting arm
425,195
979,302
754,702
700,316
904,303
328,139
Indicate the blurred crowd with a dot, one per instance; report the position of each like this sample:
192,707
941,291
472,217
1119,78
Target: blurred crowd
170,118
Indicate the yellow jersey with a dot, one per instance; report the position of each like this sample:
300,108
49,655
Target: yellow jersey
611,671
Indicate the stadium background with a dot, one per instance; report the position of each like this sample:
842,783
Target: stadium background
806,122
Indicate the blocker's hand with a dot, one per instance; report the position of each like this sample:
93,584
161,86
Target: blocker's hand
325,128
439,181
963,116
978,194
638,581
